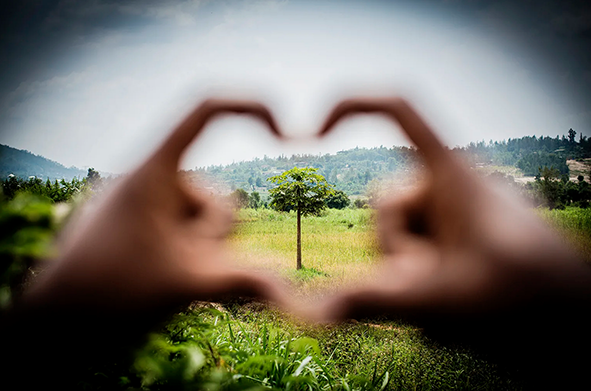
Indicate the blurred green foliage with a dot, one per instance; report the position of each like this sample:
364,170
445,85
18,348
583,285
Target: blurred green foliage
27,225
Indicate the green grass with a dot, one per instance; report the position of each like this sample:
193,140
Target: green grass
574,225
339,246
339,249
247,346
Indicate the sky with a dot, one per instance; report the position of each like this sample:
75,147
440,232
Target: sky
99,83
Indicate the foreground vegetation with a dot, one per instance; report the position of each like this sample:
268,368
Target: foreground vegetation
245,345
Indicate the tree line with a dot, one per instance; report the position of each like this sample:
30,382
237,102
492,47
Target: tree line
56,190
529,153
351,171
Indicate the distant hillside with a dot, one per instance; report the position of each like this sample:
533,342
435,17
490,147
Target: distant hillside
24,164
350,171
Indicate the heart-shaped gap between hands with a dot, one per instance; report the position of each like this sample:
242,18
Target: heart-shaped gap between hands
452,249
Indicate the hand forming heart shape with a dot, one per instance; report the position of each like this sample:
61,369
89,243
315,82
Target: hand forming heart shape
454,250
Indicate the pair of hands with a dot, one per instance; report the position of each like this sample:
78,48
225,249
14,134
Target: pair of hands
451,248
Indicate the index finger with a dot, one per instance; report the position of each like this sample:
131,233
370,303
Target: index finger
173,147
398,109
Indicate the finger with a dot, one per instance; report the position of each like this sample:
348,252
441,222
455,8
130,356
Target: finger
401,219
173,147
258,284
408,291
354,304
204,215
252,284
399,110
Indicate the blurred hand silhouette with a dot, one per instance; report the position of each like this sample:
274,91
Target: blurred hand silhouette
153,242
458,257
453,246
470,265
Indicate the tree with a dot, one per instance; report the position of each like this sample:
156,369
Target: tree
302,190
361,203
338,200
571,135
239,198
550,187
94,179
254,200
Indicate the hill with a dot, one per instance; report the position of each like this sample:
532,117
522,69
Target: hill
24,164
350,170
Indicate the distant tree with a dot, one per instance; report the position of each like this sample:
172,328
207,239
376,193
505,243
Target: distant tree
571,135
254,200
93,178
366,177
338,200
360,203
239,198
302,190
531,163
551,187
57,191
259,182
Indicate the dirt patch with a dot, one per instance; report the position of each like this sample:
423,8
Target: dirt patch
579,167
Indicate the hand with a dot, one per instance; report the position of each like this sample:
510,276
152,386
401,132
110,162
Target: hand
152,242
462,259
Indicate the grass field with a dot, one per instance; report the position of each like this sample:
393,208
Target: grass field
574,225
338,248
243,345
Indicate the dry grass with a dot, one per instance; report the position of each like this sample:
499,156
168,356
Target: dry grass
579,167
574,225
338,248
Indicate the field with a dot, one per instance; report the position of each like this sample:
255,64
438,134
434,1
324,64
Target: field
246,345
338,247
574,225
242,344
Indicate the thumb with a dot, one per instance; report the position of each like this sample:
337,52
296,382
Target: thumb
359,303
405,287
234,283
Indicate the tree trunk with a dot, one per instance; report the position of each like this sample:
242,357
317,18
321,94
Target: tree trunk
299,250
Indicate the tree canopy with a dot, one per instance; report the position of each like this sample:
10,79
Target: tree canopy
300,189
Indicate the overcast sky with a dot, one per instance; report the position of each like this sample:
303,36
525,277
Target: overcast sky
99,83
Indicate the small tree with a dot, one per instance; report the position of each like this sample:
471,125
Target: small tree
239,198
302,190
93,178
338,200
254,200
